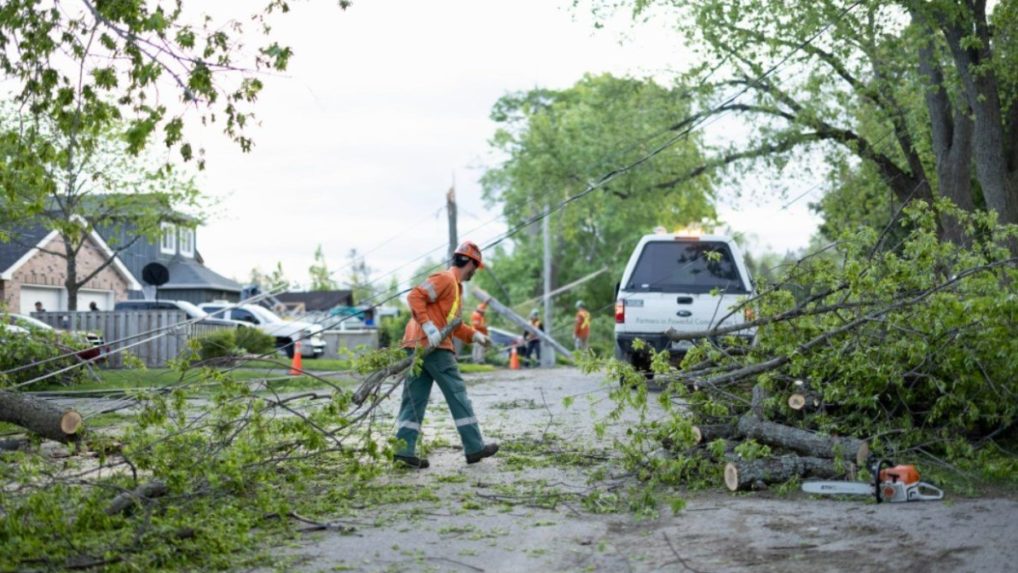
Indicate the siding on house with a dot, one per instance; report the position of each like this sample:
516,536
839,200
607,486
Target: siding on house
190,279
45,269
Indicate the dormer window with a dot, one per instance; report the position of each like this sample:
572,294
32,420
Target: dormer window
186,242
168,243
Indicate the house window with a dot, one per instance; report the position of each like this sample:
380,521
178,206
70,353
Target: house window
187,242
168,244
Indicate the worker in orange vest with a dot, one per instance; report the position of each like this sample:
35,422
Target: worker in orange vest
532,352
477,321
433,304
581,331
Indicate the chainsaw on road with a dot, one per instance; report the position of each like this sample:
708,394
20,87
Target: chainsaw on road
891,483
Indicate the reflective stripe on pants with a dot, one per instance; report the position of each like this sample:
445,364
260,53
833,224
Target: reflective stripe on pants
439,366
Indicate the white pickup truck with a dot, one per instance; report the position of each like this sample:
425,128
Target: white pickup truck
680,283
286,332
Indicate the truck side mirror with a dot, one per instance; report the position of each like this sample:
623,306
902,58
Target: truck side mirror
617,285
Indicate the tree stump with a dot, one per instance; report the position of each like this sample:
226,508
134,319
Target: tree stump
40,417
743,475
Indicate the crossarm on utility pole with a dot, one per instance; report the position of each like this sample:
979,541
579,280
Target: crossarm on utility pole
519,321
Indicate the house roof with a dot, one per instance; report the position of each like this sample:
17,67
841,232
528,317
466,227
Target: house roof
23,239
188,273
318,300
32,237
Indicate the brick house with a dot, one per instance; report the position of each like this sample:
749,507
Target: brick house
30,274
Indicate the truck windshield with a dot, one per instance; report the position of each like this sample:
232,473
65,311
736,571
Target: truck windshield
191,310
263,313
686,266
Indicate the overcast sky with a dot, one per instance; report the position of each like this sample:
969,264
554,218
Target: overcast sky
386,103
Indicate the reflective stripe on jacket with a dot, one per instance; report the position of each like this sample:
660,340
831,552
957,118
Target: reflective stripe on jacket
437,299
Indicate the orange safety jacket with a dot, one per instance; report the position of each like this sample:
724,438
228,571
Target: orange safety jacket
477,321
437,299
582,328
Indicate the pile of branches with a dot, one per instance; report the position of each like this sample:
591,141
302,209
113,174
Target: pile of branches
207,460
902,349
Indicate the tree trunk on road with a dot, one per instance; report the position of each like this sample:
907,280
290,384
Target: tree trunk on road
742,475
40,417
809,443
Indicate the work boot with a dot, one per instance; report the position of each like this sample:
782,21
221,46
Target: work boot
412,461
486,452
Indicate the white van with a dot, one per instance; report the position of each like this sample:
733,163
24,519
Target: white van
678,282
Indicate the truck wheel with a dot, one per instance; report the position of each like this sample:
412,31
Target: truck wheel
642,365
286,346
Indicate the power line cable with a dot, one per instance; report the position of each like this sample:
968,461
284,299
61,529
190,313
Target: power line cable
713,114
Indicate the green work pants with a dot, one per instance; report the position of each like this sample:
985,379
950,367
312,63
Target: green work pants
439,366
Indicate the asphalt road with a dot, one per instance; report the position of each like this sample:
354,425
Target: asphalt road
523,510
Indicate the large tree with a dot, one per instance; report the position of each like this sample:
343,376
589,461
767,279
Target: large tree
148,62
922,92
86,73
321,277
99,187
556,143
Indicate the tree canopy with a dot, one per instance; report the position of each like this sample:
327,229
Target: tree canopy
148,63
922,92
555,144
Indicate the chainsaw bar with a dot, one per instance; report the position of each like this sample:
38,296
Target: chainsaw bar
838,488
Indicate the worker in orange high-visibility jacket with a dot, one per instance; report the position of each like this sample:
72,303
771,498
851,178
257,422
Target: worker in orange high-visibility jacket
581,331
435,303
477,321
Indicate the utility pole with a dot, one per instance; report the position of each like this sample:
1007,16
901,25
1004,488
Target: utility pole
450,208
547,352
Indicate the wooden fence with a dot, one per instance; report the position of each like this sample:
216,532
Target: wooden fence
154,336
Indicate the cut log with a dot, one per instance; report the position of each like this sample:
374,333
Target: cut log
40,417
802,441
375,379
707,433
742,475
804,401
143,492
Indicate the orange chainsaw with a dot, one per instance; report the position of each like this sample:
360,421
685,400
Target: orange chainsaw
892,484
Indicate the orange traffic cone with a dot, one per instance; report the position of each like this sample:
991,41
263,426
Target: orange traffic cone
514,360
296,368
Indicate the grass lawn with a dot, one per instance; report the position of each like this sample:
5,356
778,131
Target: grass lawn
162,377
309,364
129,378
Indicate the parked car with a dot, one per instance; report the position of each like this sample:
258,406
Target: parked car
286,332
680,283
95,346
193,312
505,340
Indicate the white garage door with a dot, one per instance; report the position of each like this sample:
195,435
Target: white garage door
50,297
102,298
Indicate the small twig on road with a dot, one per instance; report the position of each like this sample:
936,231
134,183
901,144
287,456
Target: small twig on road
454,562
551,417
678,558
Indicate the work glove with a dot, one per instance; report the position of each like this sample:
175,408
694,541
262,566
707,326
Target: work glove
434,336
480,338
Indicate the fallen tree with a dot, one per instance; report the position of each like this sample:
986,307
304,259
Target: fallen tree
903,351
40,417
